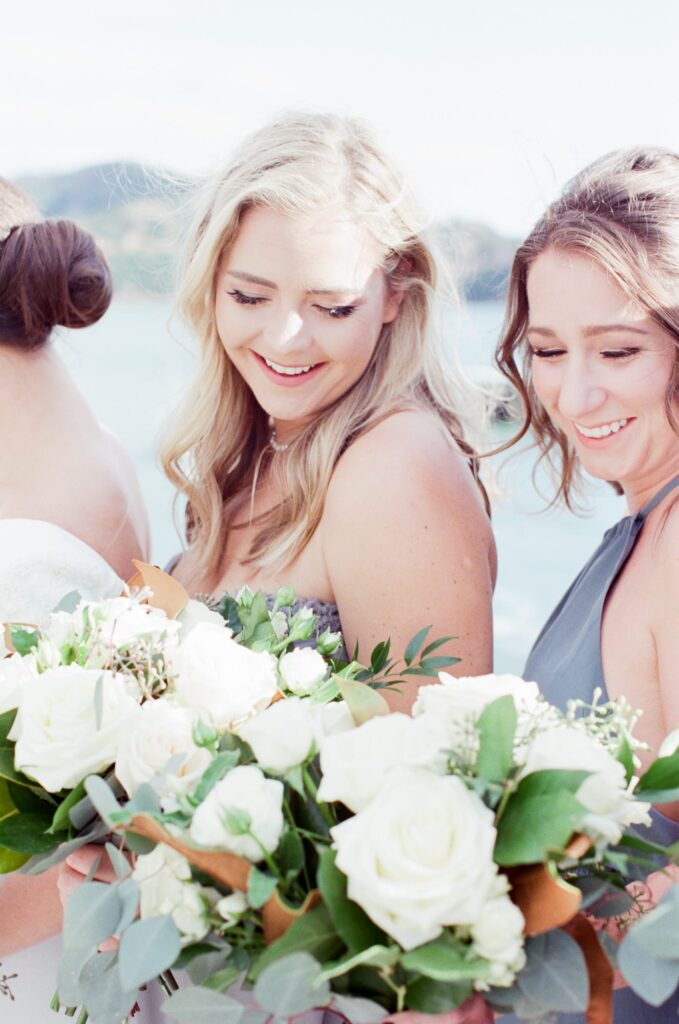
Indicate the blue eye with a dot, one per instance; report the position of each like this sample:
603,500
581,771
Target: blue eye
246,300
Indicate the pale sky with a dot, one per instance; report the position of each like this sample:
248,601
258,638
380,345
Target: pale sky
489,105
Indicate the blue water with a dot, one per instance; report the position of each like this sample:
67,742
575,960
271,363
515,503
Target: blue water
133,367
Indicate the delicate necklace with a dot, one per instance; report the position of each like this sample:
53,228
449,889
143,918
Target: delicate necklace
276,443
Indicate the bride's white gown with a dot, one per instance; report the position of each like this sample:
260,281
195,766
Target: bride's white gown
39,565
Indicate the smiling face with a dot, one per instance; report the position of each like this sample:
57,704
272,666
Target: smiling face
300,304
601,368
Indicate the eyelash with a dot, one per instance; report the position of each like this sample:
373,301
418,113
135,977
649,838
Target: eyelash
334,312
617,354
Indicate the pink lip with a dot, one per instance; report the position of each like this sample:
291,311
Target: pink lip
600,442
285,380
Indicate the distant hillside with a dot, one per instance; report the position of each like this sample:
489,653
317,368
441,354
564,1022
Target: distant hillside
135,216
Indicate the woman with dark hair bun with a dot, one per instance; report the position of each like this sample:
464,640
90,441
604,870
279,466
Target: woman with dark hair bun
71,513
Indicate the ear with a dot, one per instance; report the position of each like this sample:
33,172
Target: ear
392,304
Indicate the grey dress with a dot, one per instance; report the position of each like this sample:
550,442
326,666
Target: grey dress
566,663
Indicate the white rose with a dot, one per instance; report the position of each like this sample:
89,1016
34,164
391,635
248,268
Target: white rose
220,678
282,736
165,887
4,650
355,764
244,789
498,936
456,701
14,672
302,670
58,740
332,718
231,907
157,734
197,612
605,793
420,856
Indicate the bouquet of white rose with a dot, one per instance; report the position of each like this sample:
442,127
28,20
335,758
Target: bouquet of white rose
297,846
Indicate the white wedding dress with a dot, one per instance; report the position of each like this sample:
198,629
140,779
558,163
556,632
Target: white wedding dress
39,565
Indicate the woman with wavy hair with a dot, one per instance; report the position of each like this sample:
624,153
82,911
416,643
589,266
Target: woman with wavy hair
71,514
592,344
323,442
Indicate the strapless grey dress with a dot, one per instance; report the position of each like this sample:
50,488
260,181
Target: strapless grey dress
566,663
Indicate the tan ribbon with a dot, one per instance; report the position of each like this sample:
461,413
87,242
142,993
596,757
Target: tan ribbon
168,593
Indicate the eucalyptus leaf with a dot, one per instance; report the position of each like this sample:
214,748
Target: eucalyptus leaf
223,978
92,914
260,887
43,862
71,965
357,1010
128,894
555,975
291,985
657,932
496,727
146,949
105,999
69,602
652,977
102,796
119,861
201,1005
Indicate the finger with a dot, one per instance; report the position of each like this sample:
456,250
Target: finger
82,860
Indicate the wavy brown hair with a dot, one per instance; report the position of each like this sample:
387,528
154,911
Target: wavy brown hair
621,212
301,164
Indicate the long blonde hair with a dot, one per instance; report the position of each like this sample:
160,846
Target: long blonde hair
622,212
300,164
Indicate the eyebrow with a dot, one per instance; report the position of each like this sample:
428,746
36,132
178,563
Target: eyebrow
591,332
254,279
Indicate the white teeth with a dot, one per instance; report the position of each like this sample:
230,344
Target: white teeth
602,431
288,371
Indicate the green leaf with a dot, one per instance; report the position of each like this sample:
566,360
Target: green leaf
23,640
260,887
350,920
625,756
379,657
215,771
432,666
6,723
291,985
200,1005
555,975
61,819
92,914
661,778
7,769
238,821
146,949
415,645
364,702
428,996
10,860
290,855
7,805
373,956
26,833
496,726
539,817
313,933
444,962
223,979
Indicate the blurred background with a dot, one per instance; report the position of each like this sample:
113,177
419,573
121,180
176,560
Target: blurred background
489,107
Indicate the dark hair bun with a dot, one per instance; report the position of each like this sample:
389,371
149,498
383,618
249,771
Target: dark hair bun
51,273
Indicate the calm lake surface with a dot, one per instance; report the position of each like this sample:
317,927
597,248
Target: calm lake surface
134,366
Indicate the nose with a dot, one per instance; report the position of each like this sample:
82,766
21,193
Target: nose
580,393
288,333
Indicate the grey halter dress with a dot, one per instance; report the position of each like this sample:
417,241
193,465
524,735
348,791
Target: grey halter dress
566,663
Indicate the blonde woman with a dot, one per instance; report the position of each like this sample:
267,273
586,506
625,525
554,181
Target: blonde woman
323,443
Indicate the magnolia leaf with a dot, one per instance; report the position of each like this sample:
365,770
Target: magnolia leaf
146,949
10,860
363,701
661,777
168,593
350,920
26,833
555,975
201,1005
291,985
313,932
428,996
374,956
42,862
443,962
62,815
540,816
